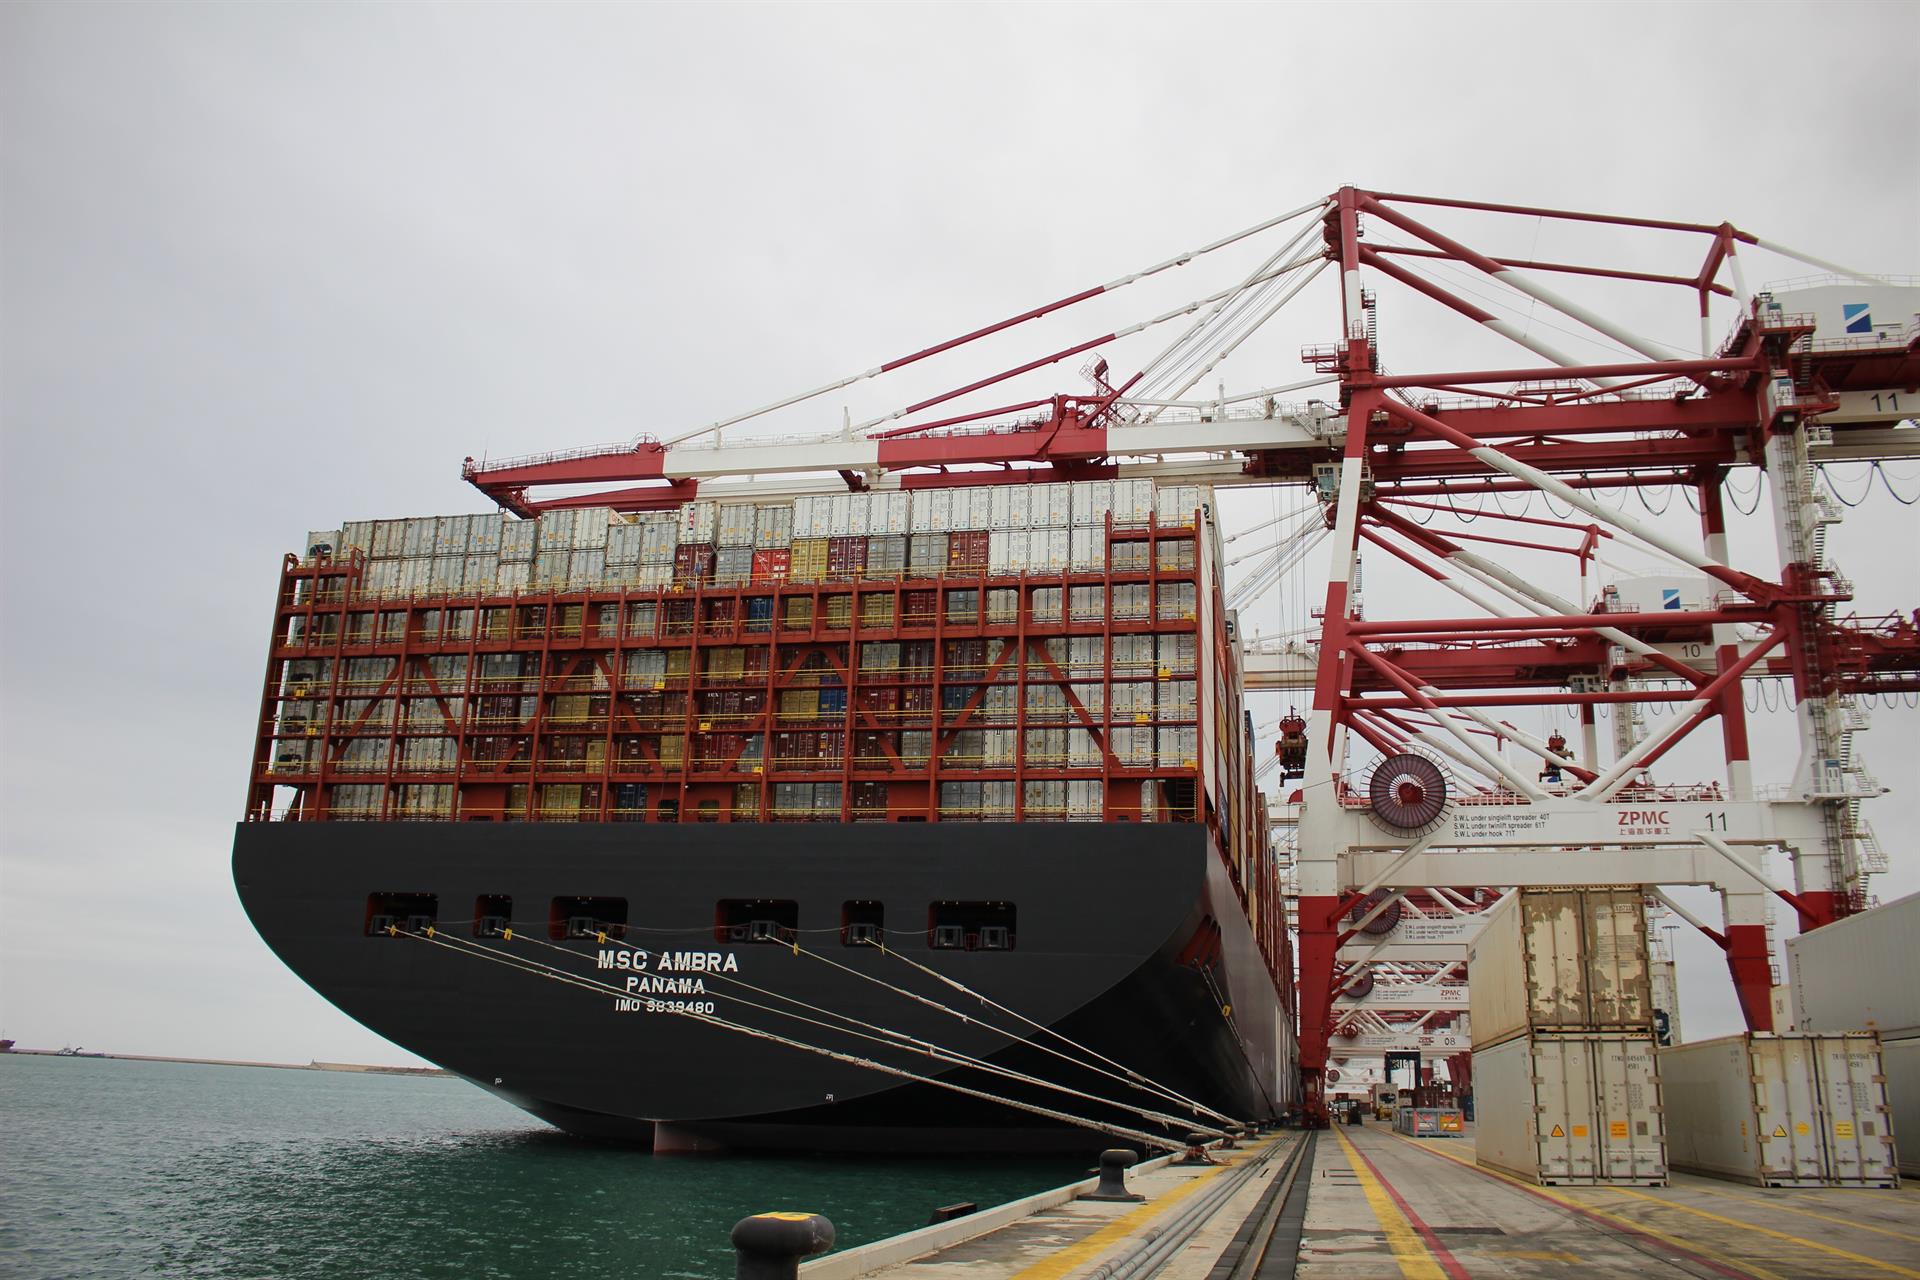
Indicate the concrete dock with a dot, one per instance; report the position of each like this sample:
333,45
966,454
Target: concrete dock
1363,1203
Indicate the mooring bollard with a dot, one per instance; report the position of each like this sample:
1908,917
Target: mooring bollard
769,1246
1113,1176
1228,1143
1196,1150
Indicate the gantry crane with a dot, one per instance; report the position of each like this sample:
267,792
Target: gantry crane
1410,796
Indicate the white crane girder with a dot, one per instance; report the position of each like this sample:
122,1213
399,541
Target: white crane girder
1585,827
1448,1041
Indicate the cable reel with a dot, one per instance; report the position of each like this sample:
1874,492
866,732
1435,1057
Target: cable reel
1382,923
1408,794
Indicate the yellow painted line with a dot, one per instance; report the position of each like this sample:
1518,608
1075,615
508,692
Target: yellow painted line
1409,1251
1824,1217
1629,1224
1090,1247
1835,1250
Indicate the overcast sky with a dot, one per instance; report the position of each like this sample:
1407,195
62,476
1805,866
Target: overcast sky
269,267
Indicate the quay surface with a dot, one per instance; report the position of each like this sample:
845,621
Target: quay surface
1369,1204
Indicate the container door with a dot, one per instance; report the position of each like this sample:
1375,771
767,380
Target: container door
1556,976
1853,1092
1787,1110
1563,1088
1628,1127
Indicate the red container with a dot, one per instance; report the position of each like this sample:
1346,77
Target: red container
772,566
920,608
967,551
879,699
846,557
692,563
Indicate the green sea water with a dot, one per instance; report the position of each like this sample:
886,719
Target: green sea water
115,1169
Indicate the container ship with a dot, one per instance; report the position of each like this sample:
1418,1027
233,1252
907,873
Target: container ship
880,821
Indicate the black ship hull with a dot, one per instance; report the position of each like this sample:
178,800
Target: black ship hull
1128,939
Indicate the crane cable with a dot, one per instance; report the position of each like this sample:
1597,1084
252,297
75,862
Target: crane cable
1133,1083
899,1039
964,989
538,970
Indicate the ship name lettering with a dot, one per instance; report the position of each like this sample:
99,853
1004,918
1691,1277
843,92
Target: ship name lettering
698,962
629,958
652,983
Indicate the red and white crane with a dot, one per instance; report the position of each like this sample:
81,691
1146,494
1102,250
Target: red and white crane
1411,785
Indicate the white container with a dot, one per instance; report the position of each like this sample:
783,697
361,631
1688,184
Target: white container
1047,551
978,513
698,521
1089,550
1059,510
518,540
1019,507
483,534
939,509
450,535
1561,960
514,576
446,574
1132,502
416,575
772,526
330,539
892,513
355,533
1176,505
839,516
383,577
1011,555
590,528
660,536
1795,1110
624,543
859,515
1571,1110
735,528
1091,502
586,568
556,531
389,539
997,509
803,517
1900,1059
550,570
478,572
1858,974
418,539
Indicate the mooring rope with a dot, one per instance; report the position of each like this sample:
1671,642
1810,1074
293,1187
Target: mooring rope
898,1039
548,972
964,989
1132,1080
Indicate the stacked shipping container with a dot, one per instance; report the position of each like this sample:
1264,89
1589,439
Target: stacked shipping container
1798,1109
1026,652
1565,1081
1043,652
1857,975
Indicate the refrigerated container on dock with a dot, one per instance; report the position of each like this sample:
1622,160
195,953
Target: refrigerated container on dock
1571,1109
1550,960
1789,1109
1858,974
